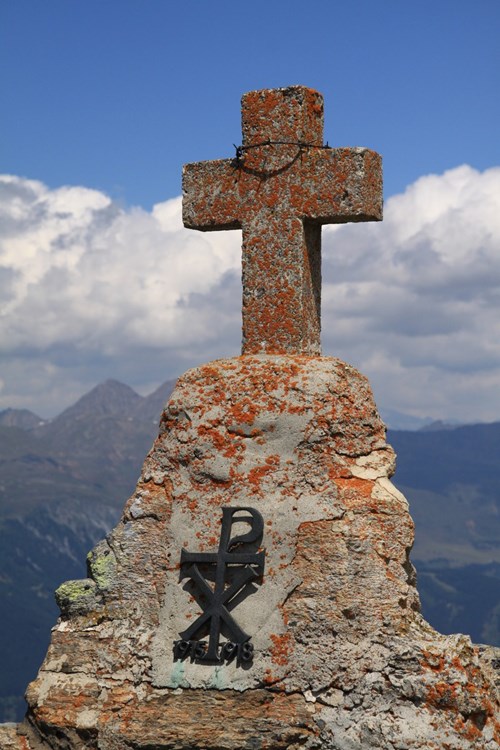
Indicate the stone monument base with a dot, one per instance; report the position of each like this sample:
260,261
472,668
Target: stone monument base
342,658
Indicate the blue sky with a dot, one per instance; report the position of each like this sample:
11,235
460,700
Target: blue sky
104,100
118,94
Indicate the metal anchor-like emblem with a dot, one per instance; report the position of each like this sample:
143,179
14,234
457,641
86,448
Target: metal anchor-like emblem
234,570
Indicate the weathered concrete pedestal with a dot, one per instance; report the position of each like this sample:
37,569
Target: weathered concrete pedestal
342,658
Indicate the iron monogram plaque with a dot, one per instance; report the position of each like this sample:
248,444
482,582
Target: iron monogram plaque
219,581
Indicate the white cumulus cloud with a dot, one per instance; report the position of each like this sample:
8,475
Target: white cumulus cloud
90,290
415,301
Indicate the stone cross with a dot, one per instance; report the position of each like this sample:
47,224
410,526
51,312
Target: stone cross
282,186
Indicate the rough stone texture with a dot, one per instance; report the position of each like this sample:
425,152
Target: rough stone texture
279,194
10,739
343,659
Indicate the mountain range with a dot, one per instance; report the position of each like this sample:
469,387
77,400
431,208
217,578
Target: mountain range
64,482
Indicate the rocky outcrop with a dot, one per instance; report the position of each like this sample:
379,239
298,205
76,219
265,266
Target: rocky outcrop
342,658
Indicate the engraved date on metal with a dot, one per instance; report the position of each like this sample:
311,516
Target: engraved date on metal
197,651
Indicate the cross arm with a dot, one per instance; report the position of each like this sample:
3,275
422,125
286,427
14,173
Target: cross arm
340,185
211,198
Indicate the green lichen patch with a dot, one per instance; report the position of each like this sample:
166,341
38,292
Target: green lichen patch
101,564
76,597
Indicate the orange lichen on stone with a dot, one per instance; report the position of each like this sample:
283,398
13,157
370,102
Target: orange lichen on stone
281,650
443,695
353,489
432,661
244,411
280,721
461,689
257,474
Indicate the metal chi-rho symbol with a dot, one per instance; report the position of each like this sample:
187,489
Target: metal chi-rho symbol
219,582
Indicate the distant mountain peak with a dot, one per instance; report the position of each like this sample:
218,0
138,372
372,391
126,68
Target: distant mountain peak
22,418
152,405
108,398
438,425
397,420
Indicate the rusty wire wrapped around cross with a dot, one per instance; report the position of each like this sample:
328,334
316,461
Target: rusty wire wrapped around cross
281,187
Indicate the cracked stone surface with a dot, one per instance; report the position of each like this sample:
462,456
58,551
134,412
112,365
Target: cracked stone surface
343,659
